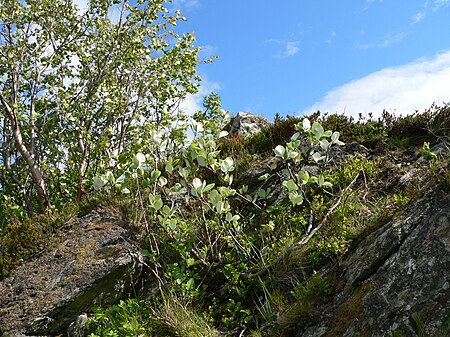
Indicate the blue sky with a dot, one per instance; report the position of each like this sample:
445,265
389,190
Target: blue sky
295,57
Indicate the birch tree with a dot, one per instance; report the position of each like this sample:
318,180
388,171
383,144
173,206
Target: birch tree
79,87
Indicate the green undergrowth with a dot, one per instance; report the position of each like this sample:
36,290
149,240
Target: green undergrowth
387,133
169,317
226,261
22,240
232,298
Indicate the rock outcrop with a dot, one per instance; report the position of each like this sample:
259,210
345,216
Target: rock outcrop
94,261
397,278
247,124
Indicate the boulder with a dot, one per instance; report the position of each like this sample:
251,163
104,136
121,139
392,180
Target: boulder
397,278
247,124
96,260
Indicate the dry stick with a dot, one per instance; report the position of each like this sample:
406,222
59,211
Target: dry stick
366,186
305,240
247,199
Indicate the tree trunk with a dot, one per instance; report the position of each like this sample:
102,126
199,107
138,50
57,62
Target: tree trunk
83,164
33,167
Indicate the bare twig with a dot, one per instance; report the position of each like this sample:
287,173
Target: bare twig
366,186
250,201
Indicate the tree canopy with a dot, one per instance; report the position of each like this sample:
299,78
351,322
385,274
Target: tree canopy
81,87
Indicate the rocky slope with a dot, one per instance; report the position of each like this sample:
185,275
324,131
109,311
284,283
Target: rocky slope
95,260
396,277
394,281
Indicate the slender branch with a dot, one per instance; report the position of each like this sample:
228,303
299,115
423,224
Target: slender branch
250,201
7,107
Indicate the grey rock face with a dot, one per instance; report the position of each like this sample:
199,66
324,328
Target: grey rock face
78,327
247,124
95,261
397,275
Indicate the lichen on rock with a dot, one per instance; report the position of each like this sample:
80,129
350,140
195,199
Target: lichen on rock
396,275
94,261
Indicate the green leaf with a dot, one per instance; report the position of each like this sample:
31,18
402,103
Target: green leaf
138,159
197,183
264,177
172,224
306,124
166,211
201,161
231,218
155,202
328,133
243,189
169,168
317,130
208,187
223,207
295,136
295,198
215,197
269,226
335,136
325,144
146,253
290,185
184,172
154,175
98,183
318,157
227,165
279,151
110,177
262,193
223,134
294,144
303,177
228,179
121,179
125,190
190,284
162,181
321,180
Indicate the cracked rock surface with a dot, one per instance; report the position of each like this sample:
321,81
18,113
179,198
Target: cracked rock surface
94,261
397,275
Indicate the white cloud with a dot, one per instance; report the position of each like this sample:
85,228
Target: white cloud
291,49
185,3
385,41
208,51
403,89
417,17
288,48
113,12
193,103
83,5
438,4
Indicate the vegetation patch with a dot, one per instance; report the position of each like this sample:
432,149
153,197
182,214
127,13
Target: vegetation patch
239,226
